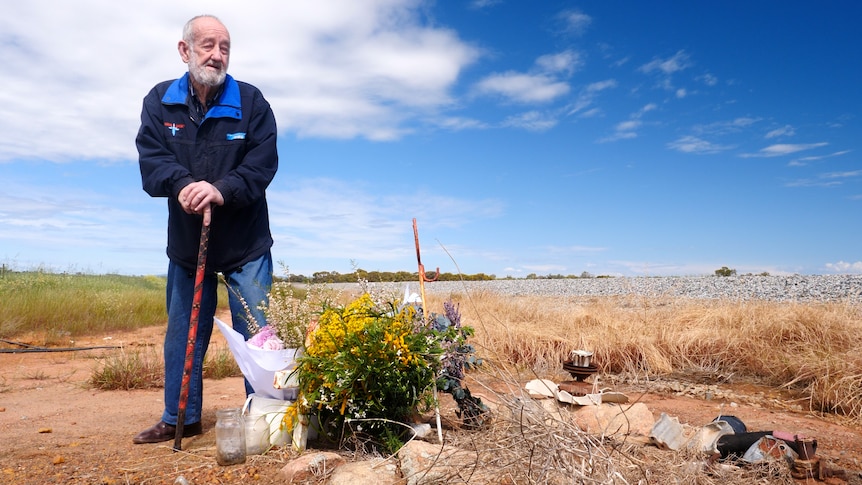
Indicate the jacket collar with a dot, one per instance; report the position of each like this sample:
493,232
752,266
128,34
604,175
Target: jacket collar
227,106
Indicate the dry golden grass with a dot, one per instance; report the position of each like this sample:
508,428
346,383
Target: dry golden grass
808,349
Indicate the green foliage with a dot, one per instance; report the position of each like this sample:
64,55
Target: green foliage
725,271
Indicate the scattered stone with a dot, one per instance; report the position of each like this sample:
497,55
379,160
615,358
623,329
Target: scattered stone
614,420
368,472
423,462
747,287
309,465
58,459
45,430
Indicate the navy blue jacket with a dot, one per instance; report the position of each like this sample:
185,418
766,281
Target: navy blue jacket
233,148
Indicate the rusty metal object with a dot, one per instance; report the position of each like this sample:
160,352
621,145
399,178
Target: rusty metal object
423,277
576,388
579,373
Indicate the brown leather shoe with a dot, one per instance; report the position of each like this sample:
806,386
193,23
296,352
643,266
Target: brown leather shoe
163,431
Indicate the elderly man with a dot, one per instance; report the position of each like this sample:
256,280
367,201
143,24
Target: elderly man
208,144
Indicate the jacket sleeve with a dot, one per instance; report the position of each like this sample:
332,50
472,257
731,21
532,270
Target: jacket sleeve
161,173
247,182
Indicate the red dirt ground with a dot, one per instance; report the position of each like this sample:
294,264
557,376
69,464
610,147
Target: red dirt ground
54,429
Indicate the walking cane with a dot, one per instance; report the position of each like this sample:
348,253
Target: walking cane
193,332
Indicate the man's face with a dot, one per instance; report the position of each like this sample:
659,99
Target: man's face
208,55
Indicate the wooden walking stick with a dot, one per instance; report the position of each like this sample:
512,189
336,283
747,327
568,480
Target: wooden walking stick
422,279
193,332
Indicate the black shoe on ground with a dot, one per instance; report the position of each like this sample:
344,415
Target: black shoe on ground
163,431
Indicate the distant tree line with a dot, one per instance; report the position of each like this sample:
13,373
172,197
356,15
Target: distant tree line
381,276
725,271
399,276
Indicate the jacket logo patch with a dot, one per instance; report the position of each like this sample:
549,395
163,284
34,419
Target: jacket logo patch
174,127
236,136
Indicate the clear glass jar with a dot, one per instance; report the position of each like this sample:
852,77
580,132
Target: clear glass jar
230,437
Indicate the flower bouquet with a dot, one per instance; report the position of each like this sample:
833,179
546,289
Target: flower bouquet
370,366
272,350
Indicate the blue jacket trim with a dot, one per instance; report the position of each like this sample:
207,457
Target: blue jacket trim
227,106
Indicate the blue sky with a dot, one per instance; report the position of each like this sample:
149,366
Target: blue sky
618,137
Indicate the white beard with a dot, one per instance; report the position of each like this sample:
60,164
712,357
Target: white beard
203,75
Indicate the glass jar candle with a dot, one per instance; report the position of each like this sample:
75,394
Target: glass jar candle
230,437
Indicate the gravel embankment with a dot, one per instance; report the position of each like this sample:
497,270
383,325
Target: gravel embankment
776,288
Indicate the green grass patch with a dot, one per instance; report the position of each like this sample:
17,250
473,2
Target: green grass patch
56,307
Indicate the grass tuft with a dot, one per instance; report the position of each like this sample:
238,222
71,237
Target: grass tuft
129,370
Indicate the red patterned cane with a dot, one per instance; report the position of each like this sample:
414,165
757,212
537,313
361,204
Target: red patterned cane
193,332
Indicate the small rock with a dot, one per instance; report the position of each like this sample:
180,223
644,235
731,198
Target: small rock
423,462
368,472
609,419
311,464
45,430
59,459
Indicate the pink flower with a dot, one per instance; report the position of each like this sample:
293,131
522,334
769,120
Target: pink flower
273,343
262,336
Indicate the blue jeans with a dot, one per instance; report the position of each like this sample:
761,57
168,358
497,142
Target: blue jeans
252,281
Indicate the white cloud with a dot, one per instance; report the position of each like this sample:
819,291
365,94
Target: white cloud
648,107
630,125
625,130
829,179
588,95
51,219
708,79
531,121
480,4
459,123
330,69
523,88
618,135
664,69
785,130
841,175
325,218
565,62
845,267
671,65
693,144
799,162
782,149
725,127
576,21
